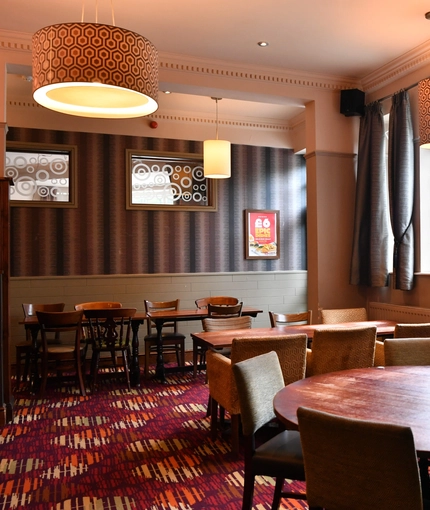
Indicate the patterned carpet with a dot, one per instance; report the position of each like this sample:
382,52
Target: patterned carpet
144,449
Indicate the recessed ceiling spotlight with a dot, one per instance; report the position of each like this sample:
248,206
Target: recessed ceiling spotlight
263,44
167,91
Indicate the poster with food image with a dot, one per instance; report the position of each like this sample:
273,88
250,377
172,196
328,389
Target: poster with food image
262,234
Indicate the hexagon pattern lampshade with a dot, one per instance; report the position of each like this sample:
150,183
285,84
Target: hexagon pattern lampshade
424,112
95,70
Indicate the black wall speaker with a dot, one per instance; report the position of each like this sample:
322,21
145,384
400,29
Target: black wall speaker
352,102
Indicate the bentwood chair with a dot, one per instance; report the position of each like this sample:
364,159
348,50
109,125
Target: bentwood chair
356,464
341,349
291,351
288,319
25,349
173,342
258,379
110,331
335,316
93,305
67,353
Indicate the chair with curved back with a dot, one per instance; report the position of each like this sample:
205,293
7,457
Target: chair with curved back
93,305
110,331
358,464
173,342
258,379
407,351
66,354
416,330
202,303
291,351
25,349
336,349
335,316
288,319
224,311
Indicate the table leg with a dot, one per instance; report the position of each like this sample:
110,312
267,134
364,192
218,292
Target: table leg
34,373
159,369
134,362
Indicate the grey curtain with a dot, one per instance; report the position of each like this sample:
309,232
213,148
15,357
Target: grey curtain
370,252
401,189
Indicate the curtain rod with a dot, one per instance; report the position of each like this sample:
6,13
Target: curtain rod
391,95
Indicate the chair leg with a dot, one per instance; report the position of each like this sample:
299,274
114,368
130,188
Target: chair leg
147,352
79,375
126,370
182,354
278,492
248,489
214,418
235,425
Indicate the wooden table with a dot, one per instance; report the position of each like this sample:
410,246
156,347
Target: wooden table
159,318
219,339
139,318
399,395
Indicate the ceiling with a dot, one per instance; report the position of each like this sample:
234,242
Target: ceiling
338,38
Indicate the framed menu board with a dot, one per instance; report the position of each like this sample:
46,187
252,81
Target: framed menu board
261,234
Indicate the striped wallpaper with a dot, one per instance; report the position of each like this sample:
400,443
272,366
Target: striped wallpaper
102,237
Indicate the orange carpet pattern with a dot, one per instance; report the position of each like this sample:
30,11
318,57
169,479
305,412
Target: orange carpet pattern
144,449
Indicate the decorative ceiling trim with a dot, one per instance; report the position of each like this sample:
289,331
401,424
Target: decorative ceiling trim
405,64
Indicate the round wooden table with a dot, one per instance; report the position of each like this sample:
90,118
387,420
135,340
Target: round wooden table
399,395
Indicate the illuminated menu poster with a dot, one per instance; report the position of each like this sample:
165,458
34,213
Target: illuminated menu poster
262,234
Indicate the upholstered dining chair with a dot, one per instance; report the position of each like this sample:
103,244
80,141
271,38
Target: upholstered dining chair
291,351
66,354
335,316
407,351
24,349
416,330
173,342
341,349
287,319
258,379
356,464
110,331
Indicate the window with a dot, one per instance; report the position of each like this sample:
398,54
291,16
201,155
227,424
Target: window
42,175
168,181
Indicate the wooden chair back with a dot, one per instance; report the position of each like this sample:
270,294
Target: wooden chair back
287,319
202,303
376,463
30,310
222,324
335,316
161,306
91,305
110,328
224,311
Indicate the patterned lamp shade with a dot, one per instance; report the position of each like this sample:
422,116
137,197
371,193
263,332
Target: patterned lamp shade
424,111
95,70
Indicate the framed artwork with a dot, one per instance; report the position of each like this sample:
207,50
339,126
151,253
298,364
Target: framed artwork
261,234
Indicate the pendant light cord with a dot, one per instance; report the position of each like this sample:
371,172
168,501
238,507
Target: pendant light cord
97,11
216,101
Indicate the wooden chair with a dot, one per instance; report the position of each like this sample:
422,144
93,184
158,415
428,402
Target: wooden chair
407,351
202,303
25,349
341,349
286,319
291,350
172,341
357,464
93,305
224,311
335,316
64,355
110,331
258,379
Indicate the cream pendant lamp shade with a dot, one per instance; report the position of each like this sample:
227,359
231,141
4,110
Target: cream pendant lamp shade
217,155
424,112
95,70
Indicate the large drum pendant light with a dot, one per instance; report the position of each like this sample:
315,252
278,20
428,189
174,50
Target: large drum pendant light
217,155
424,112
95,70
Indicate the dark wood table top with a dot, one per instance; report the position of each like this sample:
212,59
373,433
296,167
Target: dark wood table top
224,338
399,395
